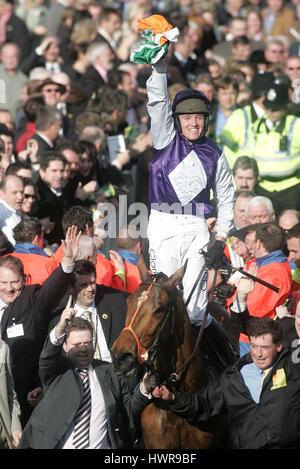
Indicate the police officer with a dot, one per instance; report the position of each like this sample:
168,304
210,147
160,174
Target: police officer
277,150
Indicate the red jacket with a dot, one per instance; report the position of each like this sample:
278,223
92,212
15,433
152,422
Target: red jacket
133,277
274,268
23,139
36,268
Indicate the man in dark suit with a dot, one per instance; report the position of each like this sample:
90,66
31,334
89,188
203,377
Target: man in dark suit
109,22
48,124
25,314
106,307
52,203
111,413
96,75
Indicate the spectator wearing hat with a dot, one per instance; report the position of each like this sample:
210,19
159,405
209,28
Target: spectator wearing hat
51,91
277,150
237,135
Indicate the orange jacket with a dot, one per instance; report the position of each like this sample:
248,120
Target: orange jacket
36,268
274,268
104,270
133,277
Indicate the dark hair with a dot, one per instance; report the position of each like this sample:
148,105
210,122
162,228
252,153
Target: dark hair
246,162
77,323
257,327
106,12
108,100
32,105
85,146
5,246
49,156
13,168
78,216
225,82
243,40
82,267
271,236
5,131
27,230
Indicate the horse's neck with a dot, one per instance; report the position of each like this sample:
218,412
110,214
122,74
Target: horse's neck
174,356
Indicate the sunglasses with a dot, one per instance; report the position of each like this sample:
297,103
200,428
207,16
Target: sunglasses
29,196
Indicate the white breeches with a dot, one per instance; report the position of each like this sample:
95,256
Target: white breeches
173,239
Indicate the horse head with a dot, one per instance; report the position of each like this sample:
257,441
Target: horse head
155,315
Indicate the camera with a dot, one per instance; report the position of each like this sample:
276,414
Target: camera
223,292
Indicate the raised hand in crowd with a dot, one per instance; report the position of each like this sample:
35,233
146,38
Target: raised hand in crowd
65,317
71,245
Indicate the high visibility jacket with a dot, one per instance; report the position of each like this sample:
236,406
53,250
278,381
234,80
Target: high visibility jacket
277,152
104,270
37,268
237,138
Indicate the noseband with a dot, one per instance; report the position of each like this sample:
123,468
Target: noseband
147,356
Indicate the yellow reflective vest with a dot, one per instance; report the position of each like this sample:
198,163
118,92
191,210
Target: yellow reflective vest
277,152
237,139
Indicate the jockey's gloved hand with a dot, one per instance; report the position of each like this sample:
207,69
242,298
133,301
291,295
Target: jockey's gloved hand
214,255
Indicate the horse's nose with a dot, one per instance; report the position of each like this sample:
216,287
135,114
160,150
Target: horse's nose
124,362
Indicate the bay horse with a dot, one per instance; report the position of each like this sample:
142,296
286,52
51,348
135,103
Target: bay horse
158,335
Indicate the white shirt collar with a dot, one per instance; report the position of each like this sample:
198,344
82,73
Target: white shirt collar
17,212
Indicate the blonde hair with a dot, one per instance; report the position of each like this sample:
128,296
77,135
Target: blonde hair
82,31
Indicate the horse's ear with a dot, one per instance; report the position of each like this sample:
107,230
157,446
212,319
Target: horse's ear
176,278
143,268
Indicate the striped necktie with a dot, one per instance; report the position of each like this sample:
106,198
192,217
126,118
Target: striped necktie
81,435
88,316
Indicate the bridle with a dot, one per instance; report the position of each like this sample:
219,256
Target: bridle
147,356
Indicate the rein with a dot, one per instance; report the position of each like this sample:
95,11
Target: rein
174,376
145,356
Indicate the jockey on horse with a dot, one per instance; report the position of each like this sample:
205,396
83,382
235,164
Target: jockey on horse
185,168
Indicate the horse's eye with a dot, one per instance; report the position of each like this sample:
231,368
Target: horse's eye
159,311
